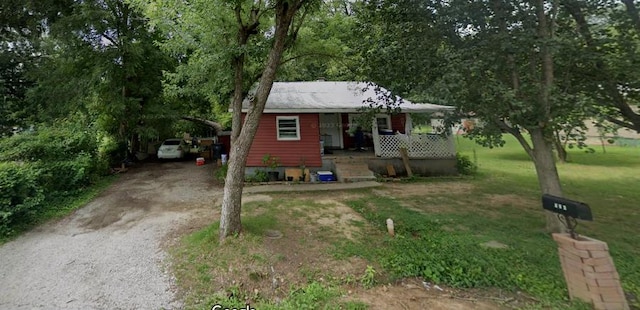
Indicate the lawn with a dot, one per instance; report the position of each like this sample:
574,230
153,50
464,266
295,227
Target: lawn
441,226
608,182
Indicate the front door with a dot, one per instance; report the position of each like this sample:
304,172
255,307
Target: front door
331,130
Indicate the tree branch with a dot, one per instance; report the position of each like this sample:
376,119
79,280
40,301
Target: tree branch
110,39
516,133
620,123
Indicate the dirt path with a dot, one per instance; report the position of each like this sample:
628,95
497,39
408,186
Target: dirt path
107,255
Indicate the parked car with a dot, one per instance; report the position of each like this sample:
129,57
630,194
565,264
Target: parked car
172,149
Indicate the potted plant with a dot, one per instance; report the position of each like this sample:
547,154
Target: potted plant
303,167
271,162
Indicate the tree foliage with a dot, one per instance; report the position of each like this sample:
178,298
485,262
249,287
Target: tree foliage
47,163
228,48
103,61
24,23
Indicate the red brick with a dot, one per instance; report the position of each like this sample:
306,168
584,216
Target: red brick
574,251
591,282
579,290
613,298
574,275
571,262
599,305
598,254
604,268
580,294
608,291
608,282
591,245
564,239
597,261
563,253
602,275
586,268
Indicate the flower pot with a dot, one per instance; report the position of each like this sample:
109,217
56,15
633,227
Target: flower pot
273,175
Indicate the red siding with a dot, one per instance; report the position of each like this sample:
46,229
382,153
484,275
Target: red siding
290,153
397,122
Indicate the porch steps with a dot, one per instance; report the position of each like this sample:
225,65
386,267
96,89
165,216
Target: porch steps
353,172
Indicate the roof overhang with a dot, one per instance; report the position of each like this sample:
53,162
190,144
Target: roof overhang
334,97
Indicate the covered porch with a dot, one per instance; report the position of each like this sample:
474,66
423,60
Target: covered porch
418,145
386,135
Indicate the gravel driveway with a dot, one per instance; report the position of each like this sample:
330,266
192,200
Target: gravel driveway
107,255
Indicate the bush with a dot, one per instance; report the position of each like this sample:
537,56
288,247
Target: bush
69,175
221,173
464,165
49,144
20,193
50,162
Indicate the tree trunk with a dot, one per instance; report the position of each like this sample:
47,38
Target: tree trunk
242,138
541,136
559,146
548,178
232,196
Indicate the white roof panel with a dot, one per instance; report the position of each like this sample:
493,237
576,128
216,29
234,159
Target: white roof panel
330,97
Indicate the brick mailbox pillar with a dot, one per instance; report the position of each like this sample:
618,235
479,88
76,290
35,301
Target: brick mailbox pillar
590,273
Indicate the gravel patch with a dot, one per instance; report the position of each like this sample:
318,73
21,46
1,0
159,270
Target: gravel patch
108,254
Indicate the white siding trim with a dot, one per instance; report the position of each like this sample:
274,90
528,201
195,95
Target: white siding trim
288,118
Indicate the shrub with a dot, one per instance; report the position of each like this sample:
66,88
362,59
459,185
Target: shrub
464,165
20,193
69,175
221,173
49,162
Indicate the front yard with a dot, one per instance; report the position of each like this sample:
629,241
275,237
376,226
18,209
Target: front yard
475,242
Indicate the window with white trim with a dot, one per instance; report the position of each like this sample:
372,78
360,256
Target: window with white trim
288,127
383,121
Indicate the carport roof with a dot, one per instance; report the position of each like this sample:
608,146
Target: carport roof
332,97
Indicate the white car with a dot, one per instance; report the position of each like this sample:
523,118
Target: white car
172,149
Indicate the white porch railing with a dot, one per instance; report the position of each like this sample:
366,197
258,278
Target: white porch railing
418,145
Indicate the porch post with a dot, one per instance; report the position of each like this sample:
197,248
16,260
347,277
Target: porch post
376,137
451,142
408,124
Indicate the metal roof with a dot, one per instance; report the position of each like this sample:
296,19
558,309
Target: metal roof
331,97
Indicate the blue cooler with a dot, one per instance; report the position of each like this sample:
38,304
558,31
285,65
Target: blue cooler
325,176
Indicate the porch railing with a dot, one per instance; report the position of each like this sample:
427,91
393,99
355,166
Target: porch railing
418,145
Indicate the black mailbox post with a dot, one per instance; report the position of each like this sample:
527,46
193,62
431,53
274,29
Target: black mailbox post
568,211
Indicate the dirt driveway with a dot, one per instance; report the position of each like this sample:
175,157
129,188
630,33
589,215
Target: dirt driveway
107,255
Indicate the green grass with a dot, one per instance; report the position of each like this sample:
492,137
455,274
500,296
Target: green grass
439,235
608,182
200,256
445,246
59,207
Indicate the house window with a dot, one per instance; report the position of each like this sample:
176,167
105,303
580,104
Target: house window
383,122
288,127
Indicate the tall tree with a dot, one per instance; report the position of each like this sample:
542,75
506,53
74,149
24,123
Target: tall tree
232,46
322,49
24,23
104,61
497,60
610,35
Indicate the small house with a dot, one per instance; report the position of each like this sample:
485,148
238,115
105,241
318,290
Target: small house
314,124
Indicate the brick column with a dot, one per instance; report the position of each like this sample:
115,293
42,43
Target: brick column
590,273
